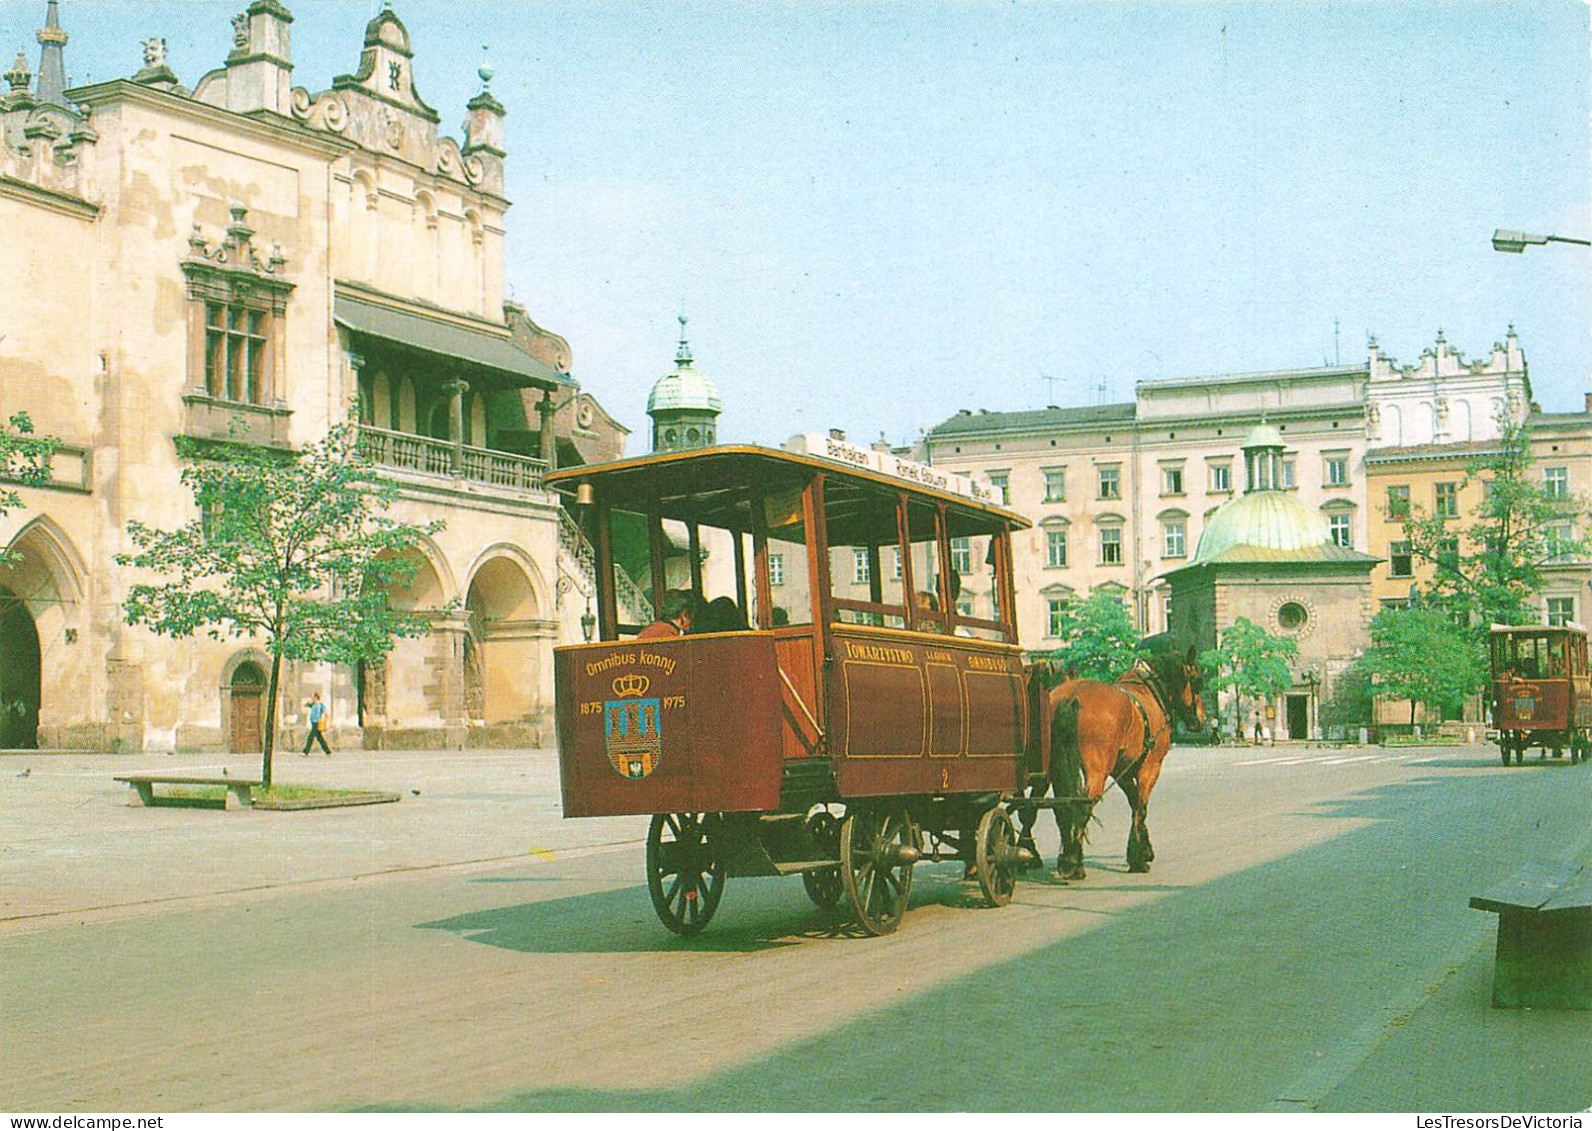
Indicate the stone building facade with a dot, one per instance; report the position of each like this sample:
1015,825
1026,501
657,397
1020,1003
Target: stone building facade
1121,493
250,254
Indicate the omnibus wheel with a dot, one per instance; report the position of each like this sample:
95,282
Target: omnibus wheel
823,885
685,870
995,854
877,853
1503,749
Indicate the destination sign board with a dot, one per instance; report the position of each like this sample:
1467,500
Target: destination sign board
885,463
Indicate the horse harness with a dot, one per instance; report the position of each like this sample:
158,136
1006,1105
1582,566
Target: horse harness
1143,675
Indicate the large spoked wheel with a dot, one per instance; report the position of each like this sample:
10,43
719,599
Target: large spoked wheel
1503,748
877,852
823,885
995,853
685,870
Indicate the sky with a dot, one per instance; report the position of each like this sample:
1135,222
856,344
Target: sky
876,214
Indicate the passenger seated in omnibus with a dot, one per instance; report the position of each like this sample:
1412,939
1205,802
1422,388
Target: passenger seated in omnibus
675,617
721,615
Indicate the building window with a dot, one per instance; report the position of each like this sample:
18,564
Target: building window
235,339
1221,476
1111,482
1447,500
1561,539
1561,610
1111,545
1556,482
1057,610
1174,538
962,556
1340,526
1172,480
1336,471
1055,484
1399,561
1056,548
1448,554
859,566
1000,480
1286,472
1292,616
1398,502
776,569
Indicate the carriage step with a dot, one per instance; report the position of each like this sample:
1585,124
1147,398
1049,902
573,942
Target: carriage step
792,867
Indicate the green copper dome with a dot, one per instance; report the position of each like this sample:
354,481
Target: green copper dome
684,389
1262,520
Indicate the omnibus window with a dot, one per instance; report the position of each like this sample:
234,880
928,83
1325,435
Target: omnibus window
978,600
790,588
863,536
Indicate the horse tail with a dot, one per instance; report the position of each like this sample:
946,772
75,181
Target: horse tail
1066,759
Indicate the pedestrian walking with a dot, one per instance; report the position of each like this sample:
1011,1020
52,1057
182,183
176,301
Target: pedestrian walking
317,726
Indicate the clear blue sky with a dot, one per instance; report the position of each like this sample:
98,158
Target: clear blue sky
878,213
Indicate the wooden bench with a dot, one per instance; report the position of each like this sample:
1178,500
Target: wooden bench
1544,958
240,791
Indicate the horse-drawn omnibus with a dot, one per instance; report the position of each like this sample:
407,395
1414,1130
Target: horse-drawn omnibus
1541,694
859,701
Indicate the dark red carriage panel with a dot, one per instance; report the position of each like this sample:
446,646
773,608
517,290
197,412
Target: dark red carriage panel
1532,704
908,716
687,724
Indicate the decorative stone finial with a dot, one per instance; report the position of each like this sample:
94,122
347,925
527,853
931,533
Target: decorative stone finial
682,356
20,76
154,52
485,70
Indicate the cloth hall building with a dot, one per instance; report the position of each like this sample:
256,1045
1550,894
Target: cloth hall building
180,258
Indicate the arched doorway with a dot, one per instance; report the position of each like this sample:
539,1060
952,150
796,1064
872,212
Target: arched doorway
19,674
248,714
501,647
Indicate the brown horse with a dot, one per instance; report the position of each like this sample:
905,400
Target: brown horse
1121,731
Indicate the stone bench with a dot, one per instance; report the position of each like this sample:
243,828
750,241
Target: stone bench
1544,958
240,791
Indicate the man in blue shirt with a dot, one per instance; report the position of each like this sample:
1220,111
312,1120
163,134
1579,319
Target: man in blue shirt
317,726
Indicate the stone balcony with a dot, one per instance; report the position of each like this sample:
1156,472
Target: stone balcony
423,455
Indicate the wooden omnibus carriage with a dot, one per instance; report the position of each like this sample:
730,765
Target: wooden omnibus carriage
1540,690
860,720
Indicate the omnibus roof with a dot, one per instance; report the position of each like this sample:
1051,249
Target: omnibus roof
709,486
1537,629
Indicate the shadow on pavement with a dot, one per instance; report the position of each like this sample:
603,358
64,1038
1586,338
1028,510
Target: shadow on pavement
1327,973
768,913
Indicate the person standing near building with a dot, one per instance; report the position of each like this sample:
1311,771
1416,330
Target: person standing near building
317,726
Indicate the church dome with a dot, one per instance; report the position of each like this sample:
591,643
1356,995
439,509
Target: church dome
685,389
1272,521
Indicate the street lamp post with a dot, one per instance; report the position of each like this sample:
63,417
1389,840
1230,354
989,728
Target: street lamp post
1506,240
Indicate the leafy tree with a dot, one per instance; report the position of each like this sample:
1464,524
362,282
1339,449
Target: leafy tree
1097,637
1487,566
24,458
1420,654
1349,705
288,549
1251,662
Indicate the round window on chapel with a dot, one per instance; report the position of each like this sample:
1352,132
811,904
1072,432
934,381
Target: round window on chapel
1292,616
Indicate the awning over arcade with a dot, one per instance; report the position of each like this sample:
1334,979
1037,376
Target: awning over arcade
448,341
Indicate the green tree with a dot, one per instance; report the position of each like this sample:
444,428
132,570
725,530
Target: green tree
288,549
1250,662
1097,637
1420,654
1487,566
25,459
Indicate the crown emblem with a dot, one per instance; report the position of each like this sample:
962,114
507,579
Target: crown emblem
631,686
